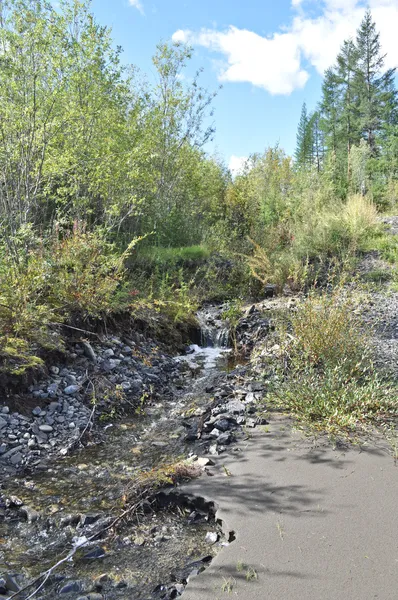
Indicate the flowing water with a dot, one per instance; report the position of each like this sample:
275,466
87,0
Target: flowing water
93,482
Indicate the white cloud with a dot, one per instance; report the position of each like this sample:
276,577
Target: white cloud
279,63
236,164
137,4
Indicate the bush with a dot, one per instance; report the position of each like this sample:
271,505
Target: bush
326,376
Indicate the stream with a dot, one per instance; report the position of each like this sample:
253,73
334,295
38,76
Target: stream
149,557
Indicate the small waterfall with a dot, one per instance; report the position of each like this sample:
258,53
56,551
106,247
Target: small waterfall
214,331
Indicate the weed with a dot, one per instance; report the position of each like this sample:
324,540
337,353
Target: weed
228,585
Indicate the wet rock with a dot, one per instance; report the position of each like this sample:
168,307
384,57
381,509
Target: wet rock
71,390
3,587
11,583
71,586
95,553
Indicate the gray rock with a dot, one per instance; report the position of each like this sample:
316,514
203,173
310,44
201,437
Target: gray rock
30,514
214,433
36,411
54,370
46,428
3,587
236,407
225,438
211,537
3,448
71,586
223,425
109,352
3,423
5,410
89,352
71,390
16,458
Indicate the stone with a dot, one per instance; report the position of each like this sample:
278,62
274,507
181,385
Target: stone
225,438
16,458
5,410
71,390
11,584
222,425
109,352
71,586
30,514
46,428
211,537
235,407
139,541
94,553
205,462
3,587
3,423
89,352
54,370
214,433
3,448
36,411
95,596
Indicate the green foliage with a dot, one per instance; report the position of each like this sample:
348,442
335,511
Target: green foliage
327,378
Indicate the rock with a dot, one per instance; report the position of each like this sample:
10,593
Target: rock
225,438
3,448
205,462
71,586
211,537
46,428
94,553
89,519
235,407
71,390
54,370
30,514
3,587
11,584
213,450
89,352
36,411
3,423
95,596
108,353
5,410
16,458
214,433
222,425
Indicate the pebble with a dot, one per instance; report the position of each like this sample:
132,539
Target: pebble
46,428
211,537
71,390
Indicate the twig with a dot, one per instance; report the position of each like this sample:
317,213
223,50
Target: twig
47,573
77,329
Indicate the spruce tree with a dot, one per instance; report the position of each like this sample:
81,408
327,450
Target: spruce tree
348,120
378,101
305,141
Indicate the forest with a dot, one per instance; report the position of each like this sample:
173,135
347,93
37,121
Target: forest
111,204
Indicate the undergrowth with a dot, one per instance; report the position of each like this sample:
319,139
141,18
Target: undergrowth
325,374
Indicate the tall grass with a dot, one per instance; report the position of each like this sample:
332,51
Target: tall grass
326,375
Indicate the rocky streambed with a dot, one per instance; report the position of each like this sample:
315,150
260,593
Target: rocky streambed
70,466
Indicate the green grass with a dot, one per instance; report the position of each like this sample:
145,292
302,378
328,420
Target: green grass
326,377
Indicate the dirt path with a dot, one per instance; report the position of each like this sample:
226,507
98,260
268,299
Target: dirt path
312,522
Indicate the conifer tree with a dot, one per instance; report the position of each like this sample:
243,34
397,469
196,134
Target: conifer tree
305,139
378,101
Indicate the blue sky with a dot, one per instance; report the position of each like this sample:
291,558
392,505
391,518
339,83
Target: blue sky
269,55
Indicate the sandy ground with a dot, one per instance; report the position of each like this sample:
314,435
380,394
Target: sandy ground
311,521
